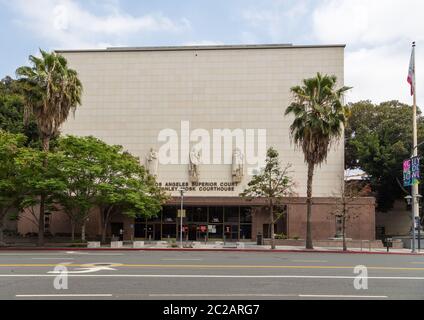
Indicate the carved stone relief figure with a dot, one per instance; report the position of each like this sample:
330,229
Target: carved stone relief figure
238,166
152,162
195,161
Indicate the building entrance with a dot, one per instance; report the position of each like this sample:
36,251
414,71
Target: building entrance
201,223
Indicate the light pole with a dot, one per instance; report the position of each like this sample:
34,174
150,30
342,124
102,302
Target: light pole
182,190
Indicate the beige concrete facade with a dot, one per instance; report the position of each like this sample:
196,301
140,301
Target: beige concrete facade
132,94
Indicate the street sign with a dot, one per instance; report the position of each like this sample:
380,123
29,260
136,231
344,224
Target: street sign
411,172
181,213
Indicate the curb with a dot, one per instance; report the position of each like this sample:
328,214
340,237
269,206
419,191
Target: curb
209,250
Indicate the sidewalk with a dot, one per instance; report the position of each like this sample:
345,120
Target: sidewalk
210,247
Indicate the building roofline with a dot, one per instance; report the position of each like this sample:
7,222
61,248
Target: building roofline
207,47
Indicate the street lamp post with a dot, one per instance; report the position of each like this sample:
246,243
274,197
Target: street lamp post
415,201
181,216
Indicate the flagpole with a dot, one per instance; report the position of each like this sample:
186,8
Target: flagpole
415,192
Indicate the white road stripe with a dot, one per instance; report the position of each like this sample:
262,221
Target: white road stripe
261,295
57,254
181,259
221,295
340,296
309,261
60,295
58,258
203,276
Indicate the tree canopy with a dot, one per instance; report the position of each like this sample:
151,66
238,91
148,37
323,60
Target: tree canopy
12,112
98,174
378,139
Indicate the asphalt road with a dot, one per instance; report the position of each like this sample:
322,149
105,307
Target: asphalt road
207,275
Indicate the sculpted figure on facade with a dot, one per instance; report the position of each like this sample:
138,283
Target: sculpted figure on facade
152,162
195,161
238,166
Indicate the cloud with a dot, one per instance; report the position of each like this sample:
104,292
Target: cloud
203,43
280,21
65,23
378,35
369,23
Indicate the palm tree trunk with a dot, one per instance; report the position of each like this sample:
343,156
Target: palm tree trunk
46,148
309,244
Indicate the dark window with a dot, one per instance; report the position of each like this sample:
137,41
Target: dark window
231,214
140,230
245,231
216,214
245,215
169,231
231,231
169,214
197,214
215,231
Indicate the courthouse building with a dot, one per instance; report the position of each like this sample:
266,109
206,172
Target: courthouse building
201,119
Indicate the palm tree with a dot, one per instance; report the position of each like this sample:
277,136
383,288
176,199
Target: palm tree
319,121
51,91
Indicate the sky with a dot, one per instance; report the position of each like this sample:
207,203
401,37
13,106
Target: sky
378,33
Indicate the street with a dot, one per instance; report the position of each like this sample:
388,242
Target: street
207,275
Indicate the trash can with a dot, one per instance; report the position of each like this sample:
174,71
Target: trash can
259,239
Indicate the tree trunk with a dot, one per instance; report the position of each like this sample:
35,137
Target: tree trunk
41,224
2,217
106,216
1,234
72,231
309,244
344,230
272,231
41,221
83,231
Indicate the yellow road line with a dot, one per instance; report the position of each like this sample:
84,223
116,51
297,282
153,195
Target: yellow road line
202,266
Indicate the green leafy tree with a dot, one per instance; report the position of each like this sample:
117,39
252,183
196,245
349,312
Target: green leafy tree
128,189
319,117
273,183
10,191
51,90
98,174
12,112
378,139
34,179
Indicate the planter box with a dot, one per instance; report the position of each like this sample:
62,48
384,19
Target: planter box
93,244
138,244
116,244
